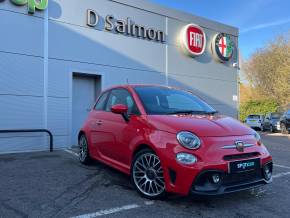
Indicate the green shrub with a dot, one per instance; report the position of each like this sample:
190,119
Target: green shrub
257,107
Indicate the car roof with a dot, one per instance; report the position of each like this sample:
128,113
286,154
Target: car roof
128,86
143,85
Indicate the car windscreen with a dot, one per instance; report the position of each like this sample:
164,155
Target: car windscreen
256,117
276,115
164,100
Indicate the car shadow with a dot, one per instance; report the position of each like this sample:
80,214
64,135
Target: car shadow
111,176
114,177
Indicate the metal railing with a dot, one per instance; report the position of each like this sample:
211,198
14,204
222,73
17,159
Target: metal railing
31,131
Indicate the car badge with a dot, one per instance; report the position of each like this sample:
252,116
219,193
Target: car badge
240,146
222,47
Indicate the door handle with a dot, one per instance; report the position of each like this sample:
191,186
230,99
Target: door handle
99,122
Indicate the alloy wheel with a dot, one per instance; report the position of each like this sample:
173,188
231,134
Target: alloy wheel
283,129
147,174
83,148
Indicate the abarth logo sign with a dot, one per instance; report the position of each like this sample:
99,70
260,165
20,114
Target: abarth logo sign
193,40
240,146
32,5
222,47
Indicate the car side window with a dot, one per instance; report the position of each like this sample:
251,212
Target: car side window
100,105
122,96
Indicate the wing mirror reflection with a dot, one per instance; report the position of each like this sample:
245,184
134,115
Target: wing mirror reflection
122,110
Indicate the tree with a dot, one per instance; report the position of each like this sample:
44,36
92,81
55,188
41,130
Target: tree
257,107
247,93
268,70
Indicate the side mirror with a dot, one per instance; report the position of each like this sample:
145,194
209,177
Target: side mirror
121,109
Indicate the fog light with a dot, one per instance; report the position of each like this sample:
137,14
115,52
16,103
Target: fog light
268,172
216,178
186,158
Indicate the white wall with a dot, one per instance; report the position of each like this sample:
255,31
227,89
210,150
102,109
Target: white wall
74,47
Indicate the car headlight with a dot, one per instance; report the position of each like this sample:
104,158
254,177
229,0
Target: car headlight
188,140
258,138
186,158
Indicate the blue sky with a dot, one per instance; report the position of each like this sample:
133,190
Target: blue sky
259,21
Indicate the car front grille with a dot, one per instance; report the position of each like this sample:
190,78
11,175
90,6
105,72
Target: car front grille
236,178
241,156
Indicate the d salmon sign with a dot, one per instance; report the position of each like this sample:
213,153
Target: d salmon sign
193,40
222,47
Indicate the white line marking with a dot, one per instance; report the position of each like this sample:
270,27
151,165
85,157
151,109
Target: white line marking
282,166
108,211
149,203
71,152
281,174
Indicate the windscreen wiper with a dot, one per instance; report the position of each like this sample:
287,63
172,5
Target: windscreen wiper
211,112
192,112
187,112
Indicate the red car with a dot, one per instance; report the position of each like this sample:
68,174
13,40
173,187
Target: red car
169,140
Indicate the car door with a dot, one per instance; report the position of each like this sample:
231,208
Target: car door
271,120
119,132
96,118
262,119
286,119
267,121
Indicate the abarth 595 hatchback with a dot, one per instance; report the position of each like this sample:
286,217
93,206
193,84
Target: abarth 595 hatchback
170,141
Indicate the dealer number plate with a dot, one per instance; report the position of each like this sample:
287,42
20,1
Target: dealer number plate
244,165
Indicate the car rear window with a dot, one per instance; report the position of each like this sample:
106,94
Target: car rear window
276,115
254,117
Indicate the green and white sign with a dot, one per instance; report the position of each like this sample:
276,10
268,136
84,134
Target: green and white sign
222,47
32,5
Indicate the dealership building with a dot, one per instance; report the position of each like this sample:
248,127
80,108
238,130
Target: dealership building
57,55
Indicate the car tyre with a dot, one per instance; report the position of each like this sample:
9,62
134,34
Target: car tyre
262,128
272,129
284,129
84,155
147,175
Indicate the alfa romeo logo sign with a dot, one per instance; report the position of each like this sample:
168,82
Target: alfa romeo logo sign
223,47
193,39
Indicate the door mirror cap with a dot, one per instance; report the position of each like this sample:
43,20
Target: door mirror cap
119,109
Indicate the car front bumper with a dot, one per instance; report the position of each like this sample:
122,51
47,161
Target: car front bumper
211,156
277,126
184,181
203,184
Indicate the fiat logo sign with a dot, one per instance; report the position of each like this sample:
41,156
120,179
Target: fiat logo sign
193,39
